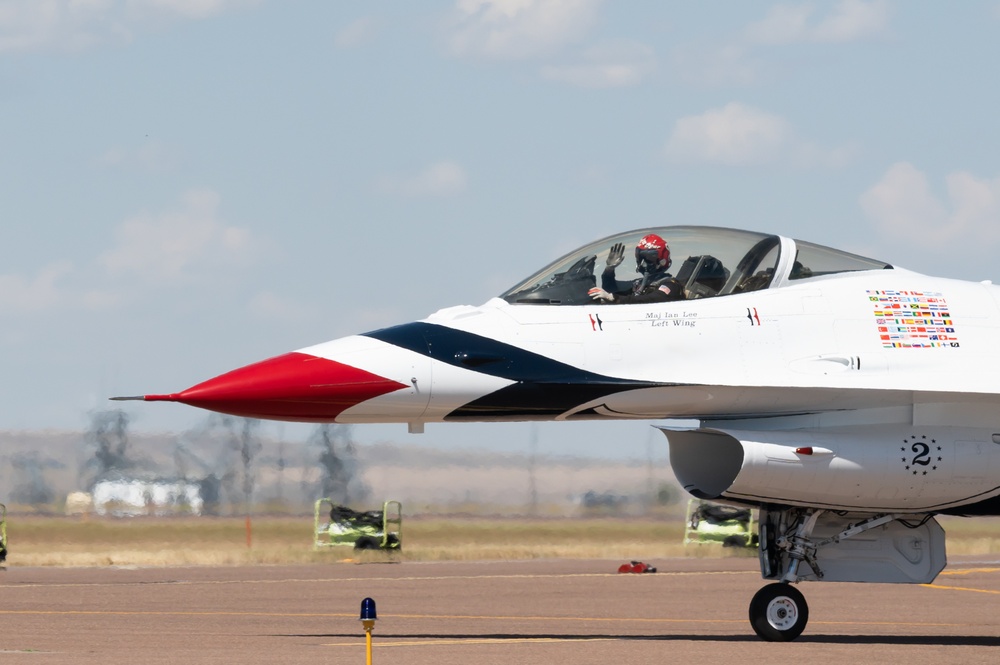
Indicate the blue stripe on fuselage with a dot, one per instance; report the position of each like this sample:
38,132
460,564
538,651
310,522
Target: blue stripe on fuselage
543,387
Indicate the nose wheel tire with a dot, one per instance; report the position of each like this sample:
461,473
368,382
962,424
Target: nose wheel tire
778,613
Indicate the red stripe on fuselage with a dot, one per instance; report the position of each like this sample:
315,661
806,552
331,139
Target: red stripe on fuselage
294,386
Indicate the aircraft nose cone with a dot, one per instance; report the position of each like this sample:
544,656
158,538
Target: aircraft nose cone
295,386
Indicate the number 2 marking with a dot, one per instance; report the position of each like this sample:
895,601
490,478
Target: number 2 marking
922,456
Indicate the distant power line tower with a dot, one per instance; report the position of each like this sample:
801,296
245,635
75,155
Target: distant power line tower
340,470
232,472
108,439
30,486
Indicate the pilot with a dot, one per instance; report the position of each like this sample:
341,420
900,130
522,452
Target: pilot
652,260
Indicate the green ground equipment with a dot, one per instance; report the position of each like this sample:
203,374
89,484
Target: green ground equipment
338,526
730,526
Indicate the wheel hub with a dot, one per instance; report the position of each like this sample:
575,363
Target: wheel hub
782,613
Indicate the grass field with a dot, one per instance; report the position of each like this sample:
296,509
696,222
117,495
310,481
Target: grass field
51,541
36,541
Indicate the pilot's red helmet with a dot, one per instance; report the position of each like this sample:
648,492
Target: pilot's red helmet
652,254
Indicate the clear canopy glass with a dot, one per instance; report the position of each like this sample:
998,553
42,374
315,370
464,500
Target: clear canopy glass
706,262
812,260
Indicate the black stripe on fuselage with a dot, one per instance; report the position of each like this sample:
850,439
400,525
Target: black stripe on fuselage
543,387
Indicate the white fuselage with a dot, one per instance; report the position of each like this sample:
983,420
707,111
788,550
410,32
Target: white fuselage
824,345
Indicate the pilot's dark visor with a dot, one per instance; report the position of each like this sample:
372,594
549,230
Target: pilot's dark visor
650,256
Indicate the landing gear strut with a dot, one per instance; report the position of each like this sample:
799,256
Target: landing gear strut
799,544
778,612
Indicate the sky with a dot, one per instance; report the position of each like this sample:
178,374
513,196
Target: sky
188,186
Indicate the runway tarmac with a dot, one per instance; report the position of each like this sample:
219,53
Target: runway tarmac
692,610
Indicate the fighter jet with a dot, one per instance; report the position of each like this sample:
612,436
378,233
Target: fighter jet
849,400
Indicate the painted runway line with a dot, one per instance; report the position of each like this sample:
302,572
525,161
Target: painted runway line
342,580
433,642
960,572
662,621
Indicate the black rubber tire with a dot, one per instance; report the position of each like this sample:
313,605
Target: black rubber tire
778,613
366,543
392,542
735,541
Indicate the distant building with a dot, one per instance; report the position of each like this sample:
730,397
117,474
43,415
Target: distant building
79,503
132,497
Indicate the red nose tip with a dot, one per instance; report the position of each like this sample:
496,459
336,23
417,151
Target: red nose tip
295,386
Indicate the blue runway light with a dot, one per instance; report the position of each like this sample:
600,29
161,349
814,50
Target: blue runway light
368,617
368,610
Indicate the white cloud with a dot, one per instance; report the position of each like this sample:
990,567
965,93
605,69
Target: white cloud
848,20
55,286
783,24
611,65
73,25
32,294
168,246
904,208
535,29
740,62
355,34
65,25
734,134
192,9
513,29
445,178
738,135
162,249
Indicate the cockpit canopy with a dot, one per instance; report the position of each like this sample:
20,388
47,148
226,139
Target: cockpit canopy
706,261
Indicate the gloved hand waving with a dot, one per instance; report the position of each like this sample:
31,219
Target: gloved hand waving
615,256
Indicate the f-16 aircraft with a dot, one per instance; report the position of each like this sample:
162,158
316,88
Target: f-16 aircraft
849,400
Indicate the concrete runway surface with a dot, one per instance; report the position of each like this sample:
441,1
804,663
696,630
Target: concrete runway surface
692,610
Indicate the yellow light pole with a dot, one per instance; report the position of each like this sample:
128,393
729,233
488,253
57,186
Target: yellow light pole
368,618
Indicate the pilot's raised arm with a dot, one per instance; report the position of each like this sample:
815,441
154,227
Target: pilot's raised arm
615,257
652,260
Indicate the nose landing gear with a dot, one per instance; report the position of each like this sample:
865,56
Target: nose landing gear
808,544
778,612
